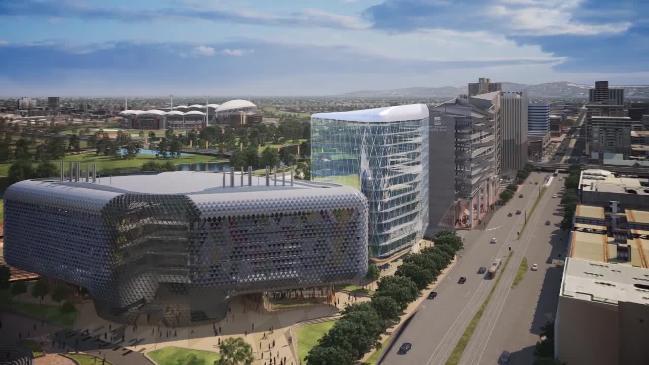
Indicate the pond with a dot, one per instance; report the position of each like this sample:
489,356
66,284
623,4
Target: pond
147,152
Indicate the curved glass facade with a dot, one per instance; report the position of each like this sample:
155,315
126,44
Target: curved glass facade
387,160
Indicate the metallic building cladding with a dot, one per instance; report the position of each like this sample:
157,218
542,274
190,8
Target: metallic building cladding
181,257
388,162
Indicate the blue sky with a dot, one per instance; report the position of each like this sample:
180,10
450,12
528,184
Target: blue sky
313,47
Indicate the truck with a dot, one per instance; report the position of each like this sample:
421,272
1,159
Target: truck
493,269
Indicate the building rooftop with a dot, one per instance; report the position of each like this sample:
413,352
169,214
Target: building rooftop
591,246
637,216
377,115
589,211
187,182
606,181
604,283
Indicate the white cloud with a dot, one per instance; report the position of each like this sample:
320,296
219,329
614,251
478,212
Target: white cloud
548,17
204,51
236,52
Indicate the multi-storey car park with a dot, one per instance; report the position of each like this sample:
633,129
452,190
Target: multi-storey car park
177,246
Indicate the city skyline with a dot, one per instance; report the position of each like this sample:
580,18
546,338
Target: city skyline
317,48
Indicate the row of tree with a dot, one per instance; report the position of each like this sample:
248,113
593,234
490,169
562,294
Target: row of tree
569,199
522,174
359,329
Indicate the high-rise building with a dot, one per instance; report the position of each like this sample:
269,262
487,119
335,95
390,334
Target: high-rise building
26,103
53,103
383,153
483,86
513,131
608,135
538,119
605,95
467,125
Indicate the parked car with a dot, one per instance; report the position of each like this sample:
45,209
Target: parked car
518,212
482,270
509,214
547,223
504,358
554,195
404,348
520,195
535,267
493,240
432,295
462,280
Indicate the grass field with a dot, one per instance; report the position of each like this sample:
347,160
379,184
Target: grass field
85,359
106,164
49,313
308,336
177,355
520,274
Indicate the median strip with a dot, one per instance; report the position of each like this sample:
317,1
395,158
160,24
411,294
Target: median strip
520,274
456,355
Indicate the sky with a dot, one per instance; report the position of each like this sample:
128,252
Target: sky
313,47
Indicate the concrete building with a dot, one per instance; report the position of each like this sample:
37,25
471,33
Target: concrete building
383,153
465,126
26,103
600,187
604,95
177,246
603,309
608,135
483,86
53,104
513,120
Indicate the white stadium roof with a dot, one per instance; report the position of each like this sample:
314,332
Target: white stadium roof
197,106
131,112
154,112
195,112
175,112
235,104
214,106
387,114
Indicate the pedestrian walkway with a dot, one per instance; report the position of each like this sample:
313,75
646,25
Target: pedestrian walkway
53,359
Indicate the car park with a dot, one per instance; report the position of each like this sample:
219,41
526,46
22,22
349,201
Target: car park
404,348
432,295
462,280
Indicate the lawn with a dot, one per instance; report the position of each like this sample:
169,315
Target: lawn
49,313
106,164
520,274
85,359
308,336
177,355
2,210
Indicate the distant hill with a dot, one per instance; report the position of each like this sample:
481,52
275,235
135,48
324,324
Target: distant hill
560,89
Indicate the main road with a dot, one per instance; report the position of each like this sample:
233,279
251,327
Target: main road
438,325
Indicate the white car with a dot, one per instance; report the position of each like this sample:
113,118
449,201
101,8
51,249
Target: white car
535,267
494,240
554,195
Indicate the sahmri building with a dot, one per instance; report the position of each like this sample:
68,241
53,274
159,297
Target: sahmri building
383,153
177,246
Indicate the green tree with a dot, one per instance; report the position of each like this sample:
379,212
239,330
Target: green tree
421,276
67,307
373,272
5,148
55,148
235,351
5,274
386,307
46,169
191,359
74,143
400,288
506,196
286,156
21,151
18,287
269,157
132,149
20,170
322,355
60,292
40,289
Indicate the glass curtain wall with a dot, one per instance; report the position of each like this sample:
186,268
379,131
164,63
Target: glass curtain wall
388,163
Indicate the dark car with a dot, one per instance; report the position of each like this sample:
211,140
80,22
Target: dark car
404,348
520,195
509,214
482,270
504,358
462,280
518,212
547,223
432,295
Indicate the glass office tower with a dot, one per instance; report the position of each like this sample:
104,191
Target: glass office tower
382,152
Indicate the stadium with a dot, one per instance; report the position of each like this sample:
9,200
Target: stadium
187,117
178,246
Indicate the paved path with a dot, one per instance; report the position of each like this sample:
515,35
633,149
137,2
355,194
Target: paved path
53,359
439,324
